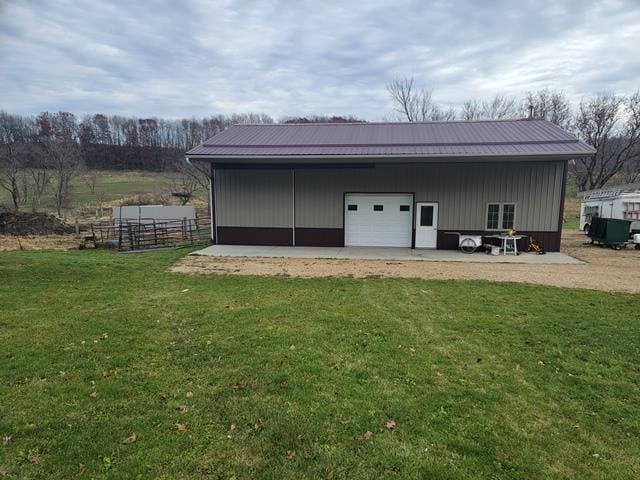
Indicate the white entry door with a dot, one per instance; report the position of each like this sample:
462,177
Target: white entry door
426,225
378,219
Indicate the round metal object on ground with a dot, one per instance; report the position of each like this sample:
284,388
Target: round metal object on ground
468,245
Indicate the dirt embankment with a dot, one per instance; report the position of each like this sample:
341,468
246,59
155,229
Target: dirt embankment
22,223
35,231
606,269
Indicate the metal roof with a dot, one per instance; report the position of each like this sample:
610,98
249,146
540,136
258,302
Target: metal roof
529,137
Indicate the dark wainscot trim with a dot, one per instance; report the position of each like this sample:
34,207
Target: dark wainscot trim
550,240
319,237
255,236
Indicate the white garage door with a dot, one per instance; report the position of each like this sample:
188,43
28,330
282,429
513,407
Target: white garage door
378,220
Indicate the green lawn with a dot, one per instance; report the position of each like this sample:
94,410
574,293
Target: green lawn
287,376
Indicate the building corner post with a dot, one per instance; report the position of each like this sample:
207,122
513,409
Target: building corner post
212,205
293,223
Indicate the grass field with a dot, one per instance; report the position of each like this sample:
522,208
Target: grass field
252,377
114,185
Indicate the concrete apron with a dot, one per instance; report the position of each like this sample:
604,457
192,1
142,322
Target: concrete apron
383,253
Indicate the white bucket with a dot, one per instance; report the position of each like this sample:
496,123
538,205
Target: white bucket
495,250
636,238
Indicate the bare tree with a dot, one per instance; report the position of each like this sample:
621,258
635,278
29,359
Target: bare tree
10,163
472,110
39,181
549,105
92,181
15,138
414,104
610,124
498,108
439,114
58,136
183,183
630,173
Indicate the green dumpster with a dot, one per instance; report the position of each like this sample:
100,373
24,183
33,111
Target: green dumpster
612,232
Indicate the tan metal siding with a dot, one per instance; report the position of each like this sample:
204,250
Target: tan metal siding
254,198
462,191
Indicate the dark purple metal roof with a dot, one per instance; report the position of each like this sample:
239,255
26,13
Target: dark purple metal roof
432,139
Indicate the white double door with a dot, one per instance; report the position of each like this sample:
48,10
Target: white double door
426,224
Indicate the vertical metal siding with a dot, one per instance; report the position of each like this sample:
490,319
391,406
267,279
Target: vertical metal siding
462,191
254,198
262,198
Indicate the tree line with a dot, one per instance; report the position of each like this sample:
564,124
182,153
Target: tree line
44,153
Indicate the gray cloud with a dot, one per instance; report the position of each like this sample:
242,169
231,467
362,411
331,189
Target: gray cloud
198,57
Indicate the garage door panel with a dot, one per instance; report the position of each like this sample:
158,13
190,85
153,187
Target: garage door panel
378,220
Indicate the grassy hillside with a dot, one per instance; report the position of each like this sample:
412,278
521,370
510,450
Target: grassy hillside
113,187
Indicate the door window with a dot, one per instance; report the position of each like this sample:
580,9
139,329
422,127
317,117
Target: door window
426,216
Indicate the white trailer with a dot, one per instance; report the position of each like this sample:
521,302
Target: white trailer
622,201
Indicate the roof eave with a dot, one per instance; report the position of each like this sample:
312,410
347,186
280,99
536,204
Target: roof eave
548,156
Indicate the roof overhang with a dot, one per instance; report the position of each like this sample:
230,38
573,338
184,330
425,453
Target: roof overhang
368,159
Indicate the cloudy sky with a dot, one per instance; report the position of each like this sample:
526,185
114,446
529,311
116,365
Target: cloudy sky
196,58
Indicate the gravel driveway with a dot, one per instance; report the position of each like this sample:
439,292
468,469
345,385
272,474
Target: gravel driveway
605,269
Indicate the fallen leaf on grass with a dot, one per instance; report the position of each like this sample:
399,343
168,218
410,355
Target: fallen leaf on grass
290,455
365,436
238,385
391,424
130,439
185,290
181,427
6,440
345,421
182,408
189,394
258,425
93,394
292,348
33,458
284,384
329,473
232,426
